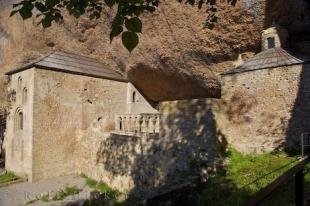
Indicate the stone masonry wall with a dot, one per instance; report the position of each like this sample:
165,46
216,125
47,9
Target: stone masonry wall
136,103
64,106
189,126
116,160
265,109
18,141
146,164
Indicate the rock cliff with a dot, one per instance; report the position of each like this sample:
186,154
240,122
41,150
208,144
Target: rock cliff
173,42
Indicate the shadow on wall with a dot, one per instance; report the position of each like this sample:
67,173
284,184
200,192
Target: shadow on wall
295,15
291,14
188,145
300,119
300,115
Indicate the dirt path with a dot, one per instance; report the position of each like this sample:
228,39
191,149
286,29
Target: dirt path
21,193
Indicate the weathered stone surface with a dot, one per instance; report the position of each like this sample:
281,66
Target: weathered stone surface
265,100
170,84
136,102
172,62
45,122
63,105
18,143
143,164
57,107
175,43
265,109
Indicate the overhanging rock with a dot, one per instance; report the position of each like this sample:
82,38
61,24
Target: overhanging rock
168,85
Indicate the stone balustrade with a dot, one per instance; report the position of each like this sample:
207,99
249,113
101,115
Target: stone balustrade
137,123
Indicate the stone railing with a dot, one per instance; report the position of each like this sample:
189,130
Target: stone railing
137,123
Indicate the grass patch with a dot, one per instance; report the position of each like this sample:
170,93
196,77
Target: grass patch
285,195
59,195
45,198
68,191
102,187
31,201
91,183
8,177
257,171
245,175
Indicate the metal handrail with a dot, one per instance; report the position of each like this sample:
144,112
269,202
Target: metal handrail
305,142
296,171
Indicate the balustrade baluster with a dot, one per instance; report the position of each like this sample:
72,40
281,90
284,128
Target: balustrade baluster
157,124
146,123
140,121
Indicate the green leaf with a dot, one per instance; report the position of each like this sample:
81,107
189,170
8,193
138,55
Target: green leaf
58,17
47,21
50,3
40,7
26,10
134,24
116,30
14,12
118,20
16,5
25,13
130,40
200,3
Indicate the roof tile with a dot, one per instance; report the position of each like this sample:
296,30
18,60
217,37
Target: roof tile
270,58
72,63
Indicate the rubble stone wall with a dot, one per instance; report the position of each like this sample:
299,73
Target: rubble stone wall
144,164
18,141
65,105
265,109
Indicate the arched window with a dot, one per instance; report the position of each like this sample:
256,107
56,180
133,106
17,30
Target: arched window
19,120
120,124
25,91
19,84
134,96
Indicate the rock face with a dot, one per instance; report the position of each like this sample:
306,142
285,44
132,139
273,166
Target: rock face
173,42
169,84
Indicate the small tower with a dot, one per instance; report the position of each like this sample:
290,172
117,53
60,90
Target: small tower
274,37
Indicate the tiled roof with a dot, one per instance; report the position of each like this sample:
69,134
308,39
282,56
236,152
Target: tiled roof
270,58
72,63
